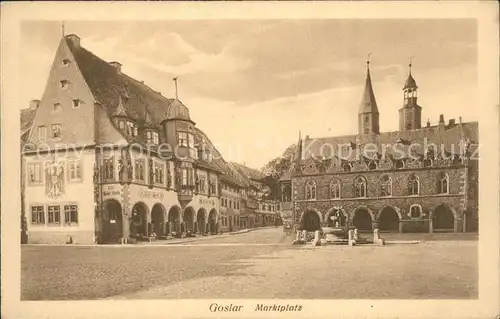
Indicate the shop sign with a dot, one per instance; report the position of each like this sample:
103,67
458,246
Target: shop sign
206,201
111,190
151,194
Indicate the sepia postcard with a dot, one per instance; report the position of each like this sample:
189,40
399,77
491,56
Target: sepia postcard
250,159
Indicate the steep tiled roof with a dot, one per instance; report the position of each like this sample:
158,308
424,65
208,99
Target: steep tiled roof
446,137
218,163
27,116
118,92
249,172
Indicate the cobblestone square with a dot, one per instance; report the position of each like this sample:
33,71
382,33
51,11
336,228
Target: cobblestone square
258,264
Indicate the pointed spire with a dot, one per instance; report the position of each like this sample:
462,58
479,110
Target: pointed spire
368,103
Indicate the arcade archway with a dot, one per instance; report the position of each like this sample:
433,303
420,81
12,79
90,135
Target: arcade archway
158,220
362,220
443,219
112,221
189,218
139,220
310,221
388,219
200,221
174,219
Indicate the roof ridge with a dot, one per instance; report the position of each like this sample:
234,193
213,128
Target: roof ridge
124,74
386,132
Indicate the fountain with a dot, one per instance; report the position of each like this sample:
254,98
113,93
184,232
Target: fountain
338,232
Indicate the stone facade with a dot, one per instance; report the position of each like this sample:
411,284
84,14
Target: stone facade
412,180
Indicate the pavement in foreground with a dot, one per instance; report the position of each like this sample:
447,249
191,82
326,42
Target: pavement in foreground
258,264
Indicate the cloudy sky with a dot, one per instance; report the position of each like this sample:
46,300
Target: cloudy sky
251,85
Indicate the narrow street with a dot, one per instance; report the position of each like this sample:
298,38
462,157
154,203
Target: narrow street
261,263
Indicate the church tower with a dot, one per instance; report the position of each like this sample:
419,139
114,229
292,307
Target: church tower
410,114
368,116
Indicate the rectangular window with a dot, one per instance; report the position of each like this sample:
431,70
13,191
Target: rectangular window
155,138
149,137
201,184
56,130
54,214
76,103
57,107
70,214
184,176
42,133
130,128
35,173
183,139
109,169
190,140
37,215
74,170
121,125
139,169
159,175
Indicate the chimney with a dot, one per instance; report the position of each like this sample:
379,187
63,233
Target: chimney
34,104
428,123
307,137
441,124
74,40
441,119
451,122
117,66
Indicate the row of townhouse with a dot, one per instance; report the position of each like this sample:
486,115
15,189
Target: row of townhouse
107,159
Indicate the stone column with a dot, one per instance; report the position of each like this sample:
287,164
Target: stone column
431,229
125,227
400,227
456,223
464,223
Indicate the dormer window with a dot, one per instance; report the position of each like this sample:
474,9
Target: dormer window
76,103
132,129
64,84
121,125
152,137
66,62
